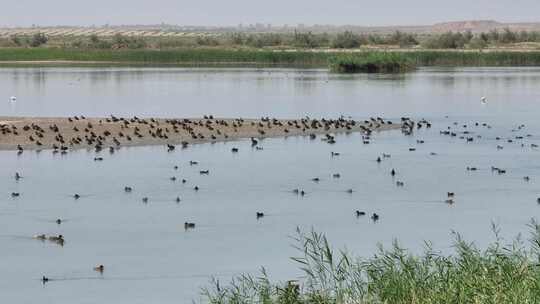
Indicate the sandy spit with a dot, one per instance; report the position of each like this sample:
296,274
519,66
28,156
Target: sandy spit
68,133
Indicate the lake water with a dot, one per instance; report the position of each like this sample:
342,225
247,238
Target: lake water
150,258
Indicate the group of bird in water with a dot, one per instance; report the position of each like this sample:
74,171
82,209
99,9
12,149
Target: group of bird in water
162,129
114,132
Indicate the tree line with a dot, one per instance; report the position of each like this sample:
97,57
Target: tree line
296,39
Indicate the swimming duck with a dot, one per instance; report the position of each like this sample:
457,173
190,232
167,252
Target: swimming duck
360,213
375,217
41,237
57,239
259,215
188,225
99,268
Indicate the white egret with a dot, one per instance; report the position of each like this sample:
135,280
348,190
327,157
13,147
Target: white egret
483,100
13,99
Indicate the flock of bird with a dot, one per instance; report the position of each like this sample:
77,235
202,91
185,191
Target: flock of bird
163,128
64,134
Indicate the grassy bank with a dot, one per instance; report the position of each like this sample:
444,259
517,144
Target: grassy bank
176,56
371,63
308,58
499,274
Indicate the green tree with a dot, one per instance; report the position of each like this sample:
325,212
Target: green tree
477,43
508,36
402,39
305,40
16,40
94,39
346,40
38,39
237,38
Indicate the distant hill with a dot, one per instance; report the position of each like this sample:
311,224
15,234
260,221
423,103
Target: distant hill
482,26
170,30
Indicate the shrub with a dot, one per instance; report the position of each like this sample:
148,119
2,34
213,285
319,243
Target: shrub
346,40
16,40
305,40
402,39
207,41
448,40
262,40
477,43
370,63
38,39
121,42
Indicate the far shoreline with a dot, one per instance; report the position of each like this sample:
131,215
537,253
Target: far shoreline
309,58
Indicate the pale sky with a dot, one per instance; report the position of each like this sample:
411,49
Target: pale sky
277,12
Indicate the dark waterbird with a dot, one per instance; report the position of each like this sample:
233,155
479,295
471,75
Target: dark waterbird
99,268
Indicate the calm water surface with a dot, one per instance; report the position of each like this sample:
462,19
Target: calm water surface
147,254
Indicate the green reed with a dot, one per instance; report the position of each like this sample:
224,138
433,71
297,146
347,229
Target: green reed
502,273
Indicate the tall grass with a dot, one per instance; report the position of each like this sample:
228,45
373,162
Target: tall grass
171,56
374,62
204,55
499,274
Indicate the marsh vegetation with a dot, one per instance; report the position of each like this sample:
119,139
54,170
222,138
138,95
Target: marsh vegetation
501,273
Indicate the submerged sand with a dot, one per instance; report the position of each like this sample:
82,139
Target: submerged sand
79,132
